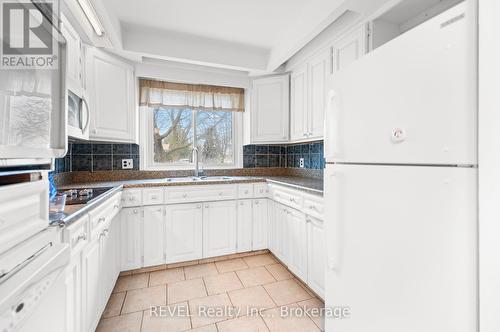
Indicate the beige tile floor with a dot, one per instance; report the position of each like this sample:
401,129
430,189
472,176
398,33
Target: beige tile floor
246,294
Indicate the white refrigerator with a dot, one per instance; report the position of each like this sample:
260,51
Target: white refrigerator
401,183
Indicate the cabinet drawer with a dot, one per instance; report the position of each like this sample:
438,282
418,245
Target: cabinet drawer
152,196
288,198
77,234
245,191
314,207
261,190
131,197
24,211
101,216
200,193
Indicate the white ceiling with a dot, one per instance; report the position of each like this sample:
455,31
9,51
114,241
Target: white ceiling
256,36
254,22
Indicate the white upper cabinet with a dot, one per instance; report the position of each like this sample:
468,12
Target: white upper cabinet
308,86
349,48
298,104
75,58
270,109
111,86
319,70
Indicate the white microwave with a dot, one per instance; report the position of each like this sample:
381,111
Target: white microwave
78,116
33,96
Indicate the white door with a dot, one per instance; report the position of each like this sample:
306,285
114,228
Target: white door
424,113
74,294
131,239
219,228
298,104
244,227
319,70
260,224
91,285
154,235
402,247
111,98
270,109
316,258
297,243
184,225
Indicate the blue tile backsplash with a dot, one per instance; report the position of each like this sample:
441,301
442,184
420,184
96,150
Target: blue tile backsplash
93,157
284,155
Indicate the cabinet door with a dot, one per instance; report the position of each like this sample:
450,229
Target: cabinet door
106,252
316,262
154,236
297,243
318,71
298,104
270,109
244,227
74,74
91,285
219,228
260,224
184,225
281,232
349,48
131,239
74,294
112,98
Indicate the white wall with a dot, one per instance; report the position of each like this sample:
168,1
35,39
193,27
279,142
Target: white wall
489,166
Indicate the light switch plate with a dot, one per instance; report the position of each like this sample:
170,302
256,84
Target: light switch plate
301,163
127,163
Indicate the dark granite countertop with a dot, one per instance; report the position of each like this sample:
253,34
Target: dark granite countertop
74,212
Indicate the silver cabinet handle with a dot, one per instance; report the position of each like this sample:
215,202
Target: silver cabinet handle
241,203
198,206
135,211
101,219
116,206
312,207
81,237
159,210
256,202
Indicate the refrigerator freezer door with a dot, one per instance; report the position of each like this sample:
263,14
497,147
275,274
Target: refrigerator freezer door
412,100
402,246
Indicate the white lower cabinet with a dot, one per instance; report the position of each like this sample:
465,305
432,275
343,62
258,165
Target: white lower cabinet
184,226
260,224
244,226
316,255
154,235
281,232
74,294
297,243
91,286
131,239
219,228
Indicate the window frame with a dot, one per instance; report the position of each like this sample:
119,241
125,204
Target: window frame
146,143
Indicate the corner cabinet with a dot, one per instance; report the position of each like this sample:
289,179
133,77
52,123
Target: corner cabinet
111,90
269,111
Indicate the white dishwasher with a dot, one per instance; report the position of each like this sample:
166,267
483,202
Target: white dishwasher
32,287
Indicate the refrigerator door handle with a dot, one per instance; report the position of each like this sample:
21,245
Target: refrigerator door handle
331,126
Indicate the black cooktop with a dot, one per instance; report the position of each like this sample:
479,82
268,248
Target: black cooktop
82,195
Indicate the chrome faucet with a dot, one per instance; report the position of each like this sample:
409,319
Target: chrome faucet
196,162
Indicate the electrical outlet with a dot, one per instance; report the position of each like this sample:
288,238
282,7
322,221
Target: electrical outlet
127,163
301,161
